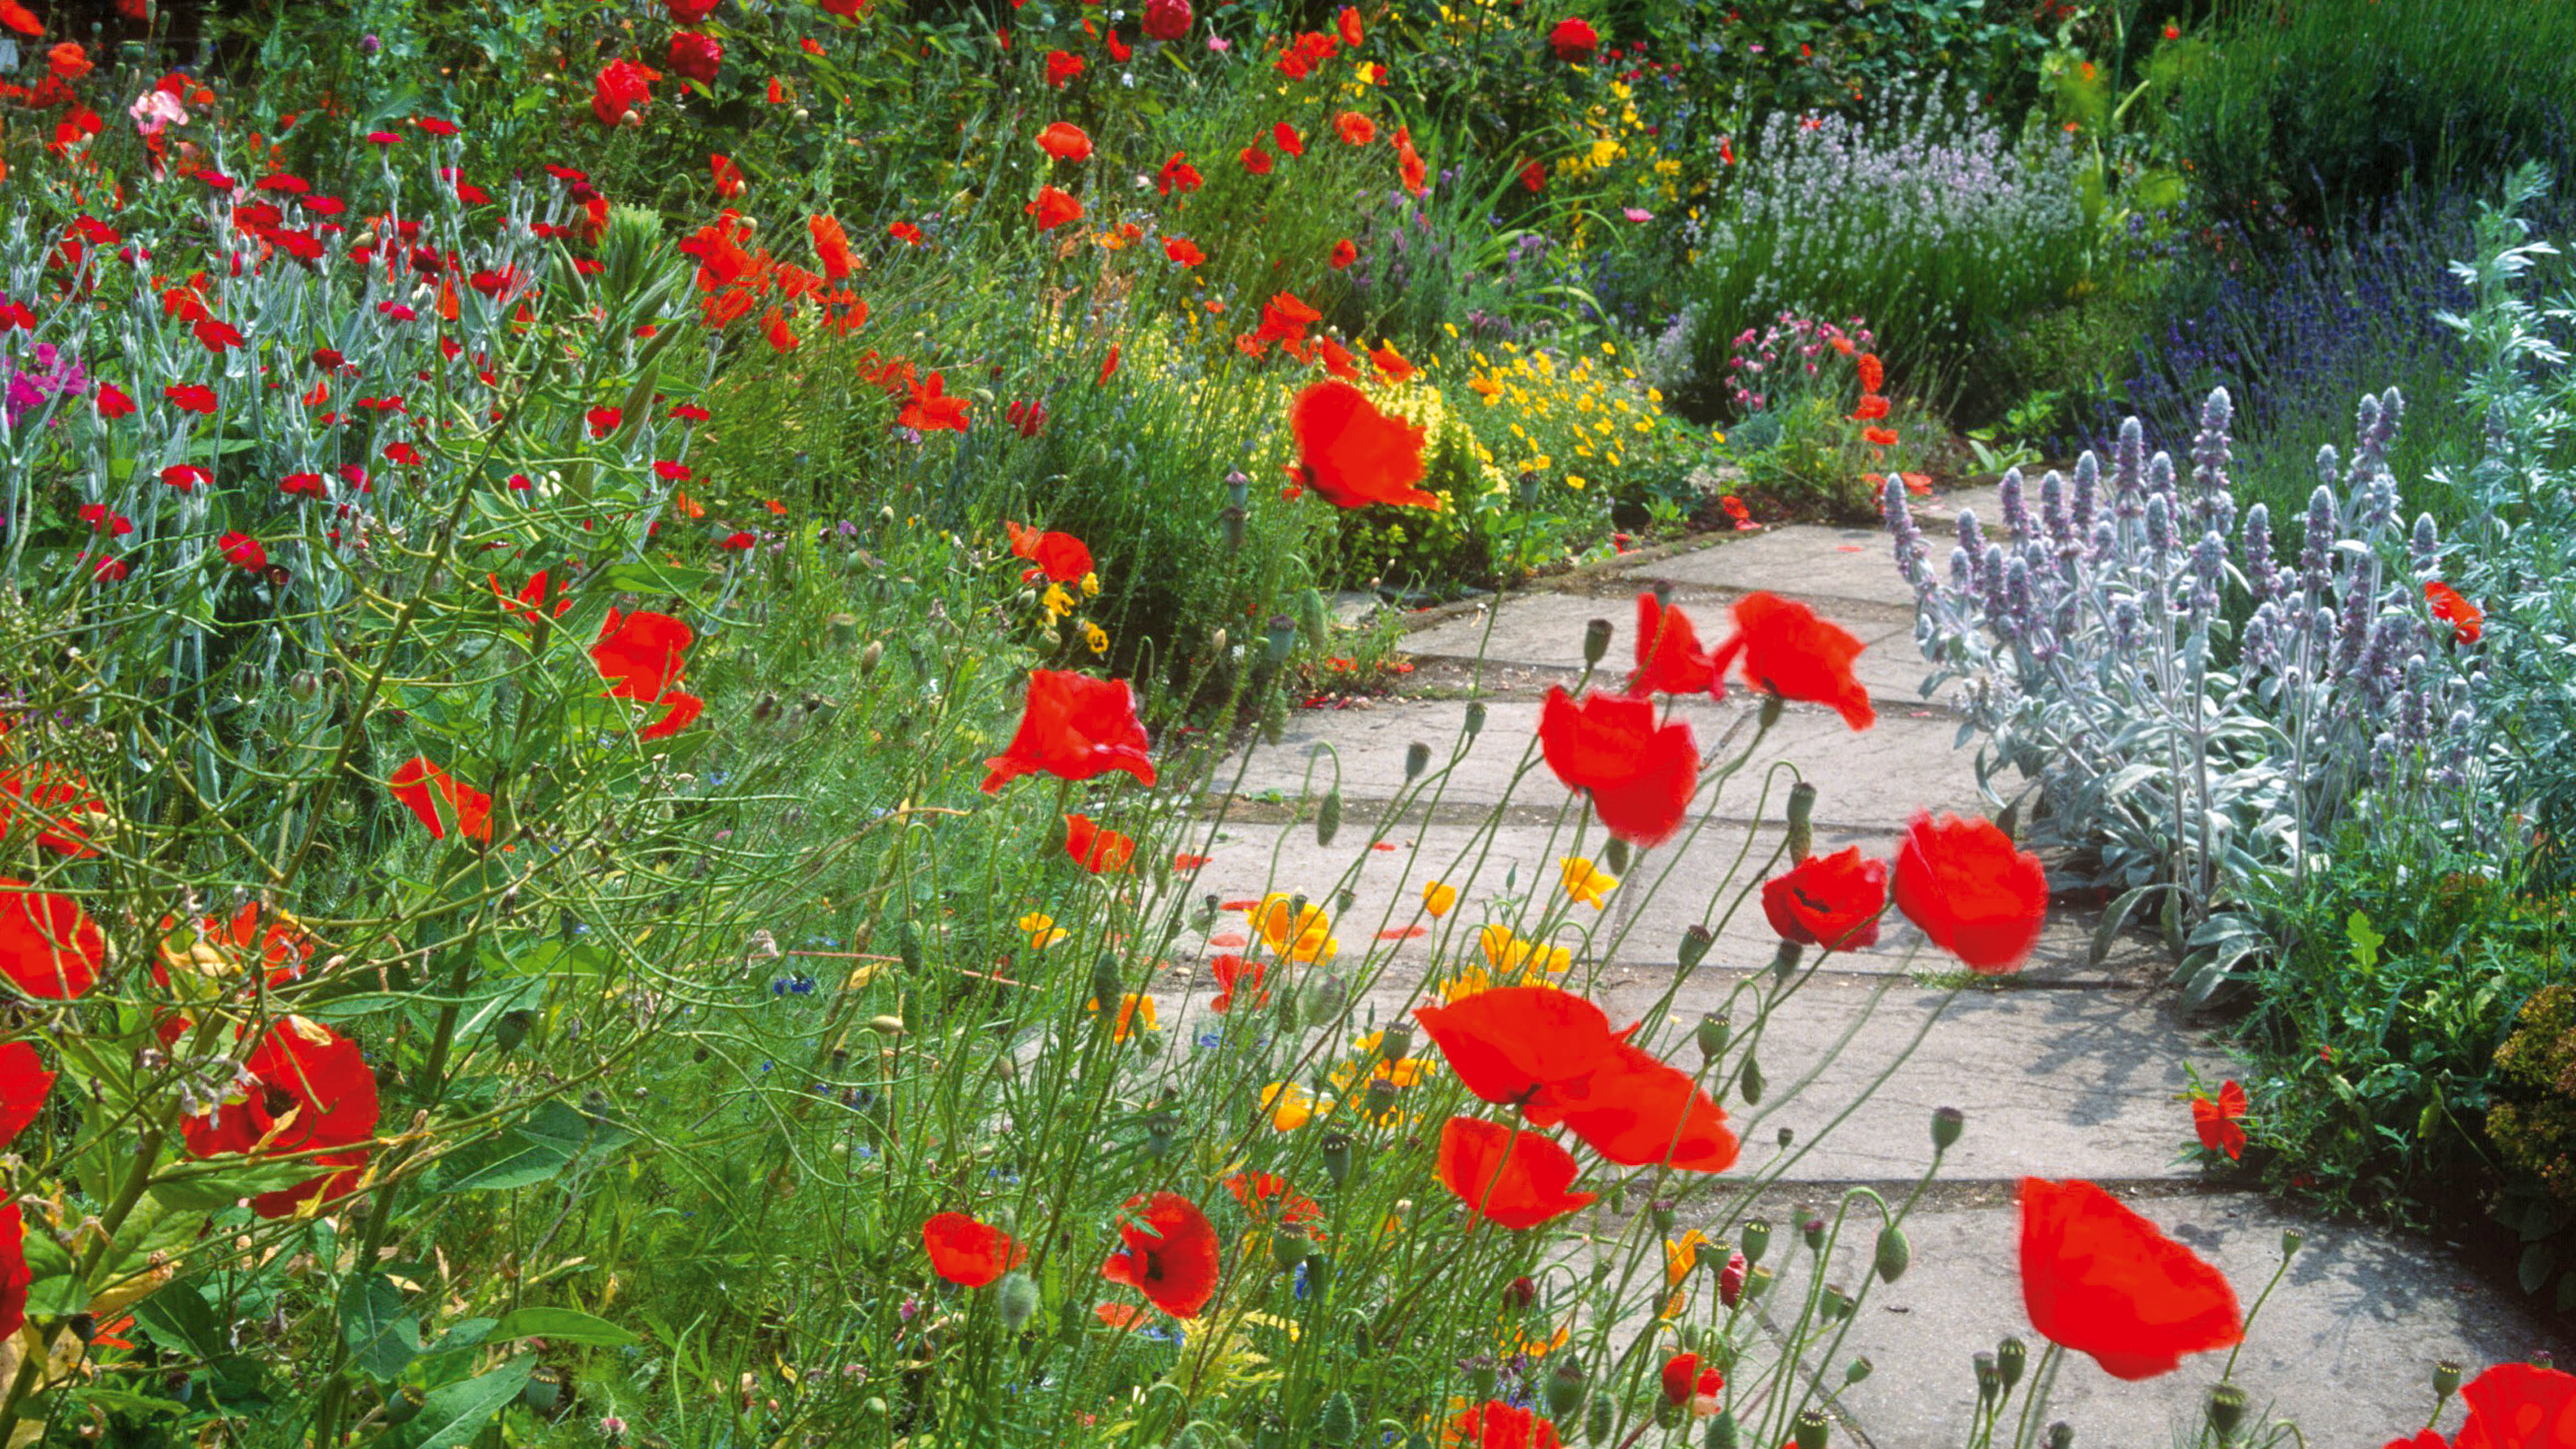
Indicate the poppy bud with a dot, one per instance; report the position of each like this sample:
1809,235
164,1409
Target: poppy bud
1346,901
886,1025
1315,619
1802,815
1564,1389
1722,1433
304,684
1785,1137
1946,1122
2011,1357
1857,1370
2291,1241
2061,1435
1287,1250
2227,1405
1695,944
1279,639
511,1029
1417,758
1810,1430
1158,1134
1380,1102
2446,1379
2544,1360
1475,718
1771,704
1749,1085
1328,817
1835,1304
1337,1157
1618,1198
1528,489
544,1391
871,657
1812,1233
1324,999
1319,1273
401,1406
1339,1423
1106,987
1016,1297
1714,1028
1757,1240
1597,1421
845,630
1989,1383
1894,1253
1784,962
1596,642
1481,1376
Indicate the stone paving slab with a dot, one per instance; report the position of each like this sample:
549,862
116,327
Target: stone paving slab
1871,779
1817,563
2345,1347
1546,631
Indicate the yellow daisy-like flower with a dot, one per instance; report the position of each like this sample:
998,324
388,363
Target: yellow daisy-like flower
1587,882
1292,934
1133,1009
1291,1106
1511,956
1438,898
1469,982
1515,1341
1041,930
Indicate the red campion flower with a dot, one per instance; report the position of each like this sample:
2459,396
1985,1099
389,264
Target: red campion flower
1514,1179
1101,852
1353,454
1074,727
15,1276
1171,1254
309,1095
2099,1279
1501,1426
1635,1111
1255,1190
442,801
2221,1124
193,397
1053,208
49,947
1795,655
2511,1406
1060,557
1641,775
1832,901
968,1253
1574,41
1669,657
1065,142
2467,620
1685,1381
1234,974
639,654
23,1085
1975,895
1510,1045
243,551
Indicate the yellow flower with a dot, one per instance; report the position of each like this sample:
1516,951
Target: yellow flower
1291,1106
1300,935
1091,586
1682,1256
1438,898
1056,602
1585,881
1574,481
1511,955
1095,638
1400,1073
1132,1008
1515,1341
1042,930
1470,982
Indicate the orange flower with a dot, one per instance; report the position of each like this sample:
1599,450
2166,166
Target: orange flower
68,61
1408,163
1879,437
1873,373
1355,129
2467,620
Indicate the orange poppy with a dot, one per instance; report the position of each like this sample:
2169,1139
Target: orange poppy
832,247
2467,620
1065,142
1355,129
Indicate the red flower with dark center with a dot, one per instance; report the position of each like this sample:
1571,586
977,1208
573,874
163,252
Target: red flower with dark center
1973,894
929,409
15,1276
968,1253
2467,620
1171,1254
442,801
1641,775
1574,41
1234,974
1515,1179
1501,1426
1255,1190
1101,852
1510,1045
640,655
309,1095
1635,1110
1074,727
1344,253
49,947
1795,655
1060,557
2221,1124
2099,1279
1177,174
1831,901
23,1085
1685,1380
1353,454
1669,657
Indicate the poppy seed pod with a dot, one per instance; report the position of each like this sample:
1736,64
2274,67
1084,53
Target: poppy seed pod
1989,1382
1328,817
1757,1240
1784,962
1016,1298
1395,1043
1159,1130
2291,1241
1757,1283
2446,1379
1475,718
1713,1030
1894,1253
845,630
2227,1405
1337,1157
1564,1389
1230,527
1695,943
1810,1430
1339,1422
1785,1137
1856,1370
1662,1212
2011,1357
1481,1377
1834,1304
1802,816
1417,758
1946,1124
1279,639
1287,1250
1596,642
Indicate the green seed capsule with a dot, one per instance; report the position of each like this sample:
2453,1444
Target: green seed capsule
1475,718
1946,1125
2446,1378
1598,1420
1417,758
1757,1241
2061,1435
2011,1357
1750,1085
2227,1406
1714,1029
1564,1390
1694,948
1810,1430
1722,1433
1856,1370
1596,642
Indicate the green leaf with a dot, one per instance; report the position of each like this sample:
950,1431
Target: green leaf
534,1151
377,1326
563,1325
2112,919
56,1296
2365,941
205,1192
452,1416
2534,1269
178,1318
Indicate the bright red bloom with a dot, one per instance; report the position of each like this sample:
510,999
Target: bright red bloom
113,402
1062,66
727,177
1344,253
1256,160
1183,251
1285,137
1669,657
15,1276
1878,437
1177,174
1409,167
193,397
1872,408
603,420
1641,775
691,12
1533,177
1233,974
56,801
2511,1406
1685,1380
1108,367
1832,901
2221,1124
1501,1426
1255,1189
217,337
2467,620
23,1085
621,89
639,654
1635,1110
1348,23
1796,655
1074,727
696,57
1355,129
1511,1045
1574,41
1171,1254
907,233
442,801
243,551
2099,1279
1065,142
832,247
929,409
1873,373
968,1253
1060,557
1353,454
1053,208
1973,894
1515,1179
1101,852
1167,20
310,1095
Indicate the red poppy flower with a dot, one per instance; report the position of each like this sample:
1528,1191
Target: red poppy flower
1171,1254
1872,408
1501,1426
1685,1380
1183,251
1573,41
907,233
1508,1046
1256,1189
696,57
1973,894
2511,1406
639,654
1101,852
1256,160
1635,1111
15,1276
23,1085
2221,1124
441,800
1108,367
1353,454
1348,23
1060,557
726,175
1065,142
1390,362
832,247
1879,437
309,1094
68,60
968,1253
929,409
1074,727
1515,1179
217,337
1053,208
1641,775
1355,129
243,551
1062,66
2467,620
1669,657
1234,974
621,89
1873,373
1832,901
1344,253
1796,655
1177,174
1409,167
2099,1279
57,802
1287,139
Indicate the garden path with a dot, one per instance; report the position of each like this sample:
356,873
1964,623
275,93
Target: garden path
2069,1069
